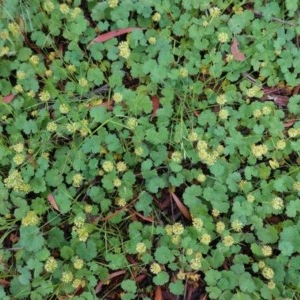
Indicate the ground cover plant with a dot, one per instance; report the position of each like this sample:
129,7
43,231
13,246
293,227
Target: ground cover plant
149,149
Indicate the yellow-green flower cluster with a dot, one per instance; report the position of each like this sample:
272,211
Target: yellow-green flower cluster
4,35
152,40
266,110
4,50
208,157
140,248
76,12
261,264
177,228
169,229
139,151
48,73
21,75
183,72
31,219
221,99
51,127
83,82
88,208
280,144
64,108
112,3
220,227
18,147
78,283
121,202
214,12
51,264
132,123
77,180
277,203
44,96
205,239
124,50
34,59
201,177
64,8
253,92
155,268
228,240
223,114
80,228
259,150
117,182
14,29
19,159
15,181
121,166
193,136
176,156
250,198
271,285
72,127
215,213
296,186
118,97
48,6
71,68
156,17
267,273
294,132
195,262
266,250
18,88
67,276
108,166
223,37
197,223
274,164
78,263
237,225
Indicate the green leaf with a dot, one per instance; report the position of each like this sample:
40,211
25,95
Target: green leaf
217,258
53,178
31,238
157,137
155,183
177,287
292,208
239,21
191,196
144,203
161,278
268,234
163,255
294,104
286,248
99,114
214,292
24,54
66,252
291,6
18,290
129,286
246,283
25,275
63,200
87,251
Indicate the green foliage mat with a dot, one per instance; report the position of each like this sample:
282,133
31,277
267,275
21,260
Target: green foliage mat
149,149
